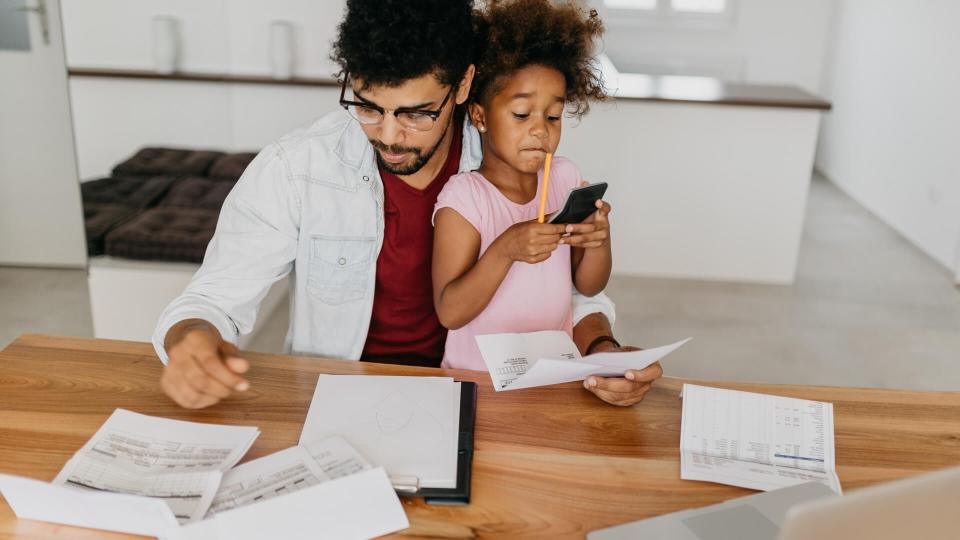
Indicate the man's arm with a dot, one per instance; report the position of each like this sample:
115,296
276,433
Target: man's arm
254,246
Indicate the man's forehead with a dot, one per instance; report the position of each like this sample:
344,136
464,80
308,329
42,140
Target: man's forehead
418,91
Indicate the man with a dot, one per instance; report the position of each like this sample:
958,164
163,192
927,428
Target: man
346,205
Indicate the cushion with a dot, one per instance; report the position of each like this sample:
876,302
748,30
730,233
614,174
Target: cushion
99,219
152,161
129,191
164,234
231,166
197,192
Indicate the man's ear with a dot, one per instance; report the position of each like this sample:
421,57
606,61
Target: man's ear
463,90
477,116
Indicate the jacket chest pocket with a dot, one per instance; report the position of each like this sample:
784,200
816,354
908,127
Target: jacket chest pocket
339,268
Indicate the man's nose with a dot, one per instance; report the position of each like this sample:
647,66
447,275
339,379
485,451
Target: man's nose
391,132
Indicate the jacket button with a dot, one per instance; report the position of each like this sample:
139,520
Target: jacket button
366,178
342,261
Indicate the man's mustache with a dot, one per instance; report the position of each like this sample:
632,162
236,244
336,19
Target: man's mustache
394,148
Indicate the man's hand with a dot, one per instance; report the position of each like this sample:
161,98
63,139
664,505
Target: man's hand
203,368
627,390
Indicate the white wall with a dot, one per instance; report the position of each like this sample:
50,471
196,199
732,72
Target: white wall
114,117
766,41
705,192
891,140
217,35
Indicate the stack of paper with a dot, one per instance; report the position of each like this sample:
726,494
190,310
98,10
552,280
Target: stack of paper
286,471
550,357
407,425
179,462
138,471
756,441
362,505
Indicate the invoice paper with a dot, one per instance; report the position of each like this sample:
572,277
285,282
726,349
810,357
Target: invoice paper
550,357
179,462
407,425
756,441
335,457
33,499
279,473
362,505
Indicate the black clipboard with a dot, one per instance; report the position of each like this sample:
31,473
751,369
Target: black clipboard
459,495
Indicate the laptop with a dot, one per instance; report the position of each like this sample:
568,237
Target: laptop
926,506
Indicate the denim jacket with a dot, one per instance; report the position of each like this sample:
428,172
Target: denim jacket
311,204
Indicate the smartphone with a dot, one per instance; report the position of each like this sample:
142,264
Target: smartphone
580,203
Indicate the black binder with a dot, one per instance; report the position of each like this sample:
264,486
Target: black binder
459,495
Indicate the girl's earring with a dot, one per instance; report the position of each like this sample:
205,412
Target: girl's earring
482,129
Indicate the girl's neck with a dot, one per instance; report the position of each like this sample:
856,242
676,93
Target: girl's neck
517,186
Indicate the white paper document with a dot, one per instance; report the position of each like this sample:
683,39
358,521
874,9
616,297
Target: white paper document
550,357
359,506
33,499
279,473
178,462
335,457
756,441
407,425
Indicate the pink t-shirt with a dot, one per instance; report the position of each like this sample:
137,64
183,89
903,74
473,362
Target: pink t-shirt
532,297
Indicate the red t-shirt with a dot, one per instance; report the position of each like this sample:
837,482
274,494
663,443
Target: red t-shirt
404,328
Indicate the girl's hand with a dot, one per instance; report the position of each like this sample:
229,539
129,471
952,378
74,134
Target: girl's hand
600,236
533,242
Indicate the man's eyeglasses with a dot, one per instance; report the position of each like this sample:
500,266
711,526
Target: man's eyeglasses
370,114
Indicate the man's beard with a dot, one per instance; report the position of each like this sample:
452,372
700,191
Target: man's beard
400,169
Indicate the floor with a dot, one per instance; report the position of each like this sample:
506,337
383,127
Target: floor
867,309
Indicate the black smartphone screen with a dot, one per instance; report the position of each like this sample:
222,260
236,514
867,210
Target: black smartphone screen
581,202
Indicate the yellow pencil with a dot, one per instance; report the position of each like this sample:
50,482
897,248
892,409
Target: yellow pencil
546,186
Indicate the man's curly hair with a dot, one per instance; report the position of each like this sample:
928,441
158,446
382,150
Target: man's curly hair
514,34
391,41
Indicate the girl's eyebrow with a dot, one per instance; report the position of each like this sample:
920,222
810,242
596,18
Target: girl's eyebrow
523,95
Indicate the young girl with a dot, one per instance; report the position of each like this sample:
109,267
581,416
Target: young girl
495,268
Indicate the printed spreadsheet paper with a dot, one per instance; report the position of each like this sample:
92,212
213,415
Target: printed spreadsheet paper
179,462
756,441
358,506
286,471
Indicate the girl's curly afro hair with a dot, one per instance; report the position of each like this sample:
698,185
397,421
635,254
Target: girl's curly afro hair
514,34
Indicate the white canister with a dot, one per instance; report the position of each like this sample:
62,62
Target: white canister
282,57
166,44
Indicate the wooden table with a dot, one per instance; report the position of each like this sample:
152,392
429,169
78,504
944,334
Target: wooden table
550,462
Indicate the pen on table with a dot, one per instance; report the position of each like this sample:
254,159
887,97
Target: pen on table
546,185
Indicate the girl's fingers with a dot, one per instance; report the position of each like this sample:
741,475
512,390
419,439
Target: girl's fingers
581,239
546,239
580,228
602,210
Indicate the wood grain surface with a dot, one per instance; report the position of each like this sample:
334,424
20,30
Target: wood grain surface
550,462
